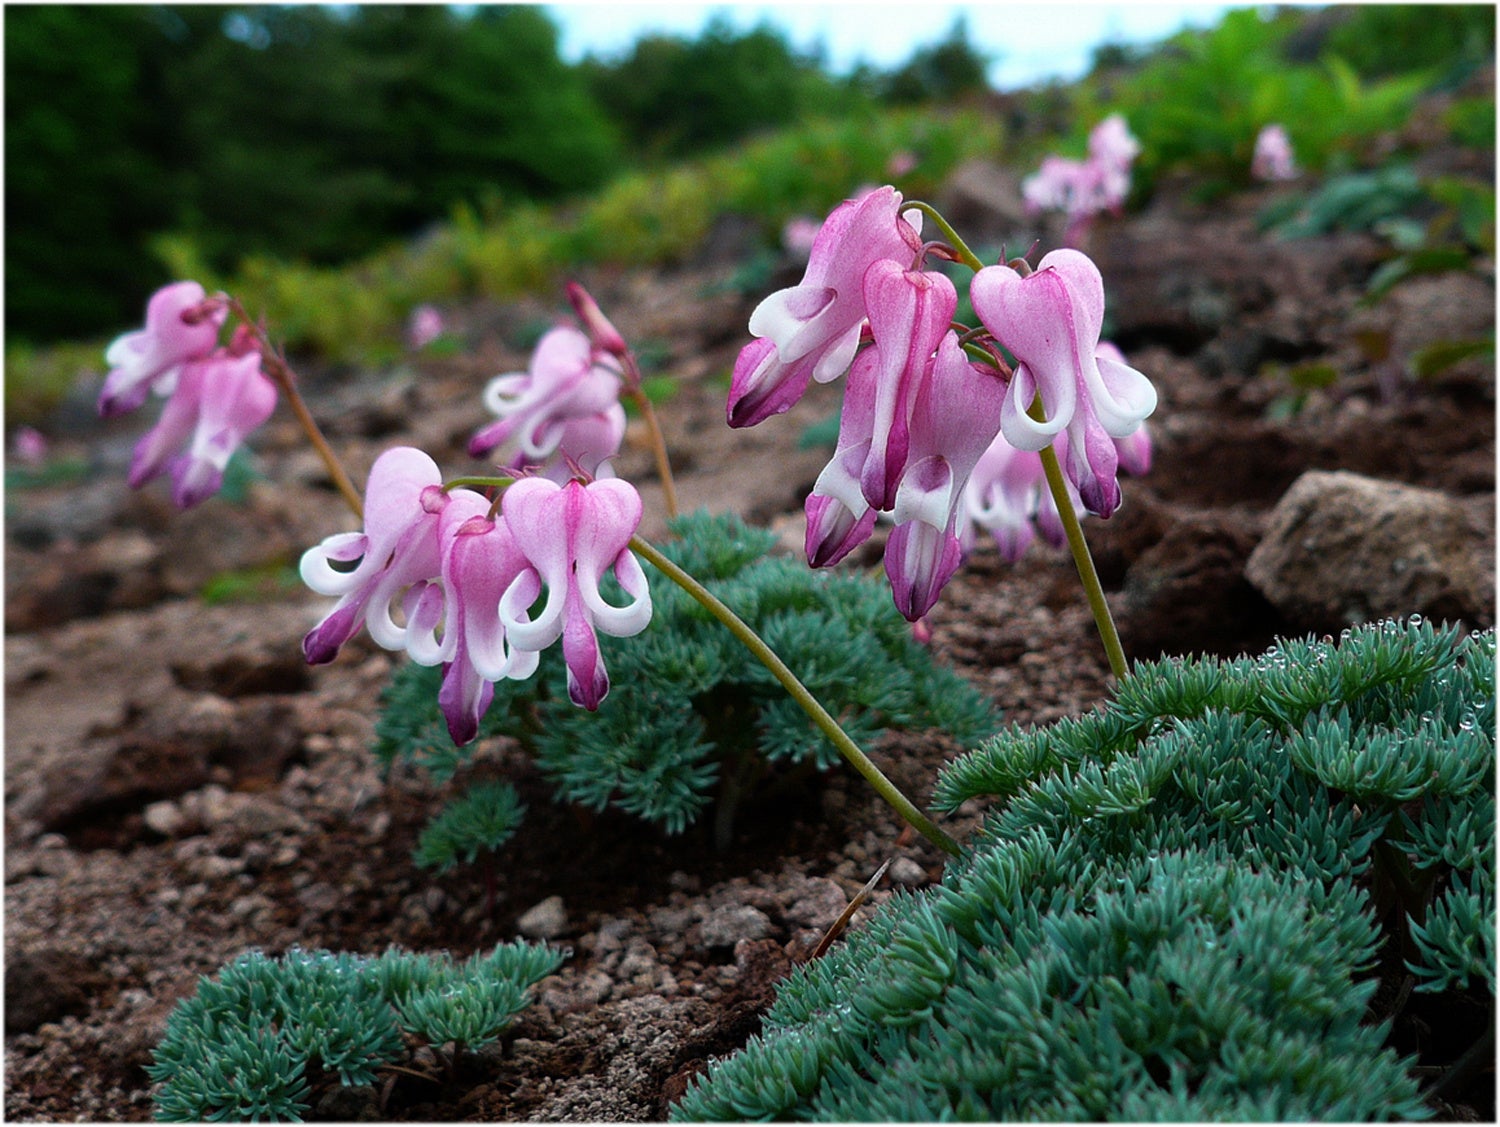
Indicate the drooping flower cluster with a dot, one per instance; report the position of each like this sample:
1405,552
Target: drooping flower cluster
466,578
1272,159
918,412
563,414
1007,493
215,396
1084,189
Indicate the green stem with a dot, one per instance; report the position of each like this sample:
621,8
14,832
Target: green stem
1084,562
967,256
799,693
281,374
658,445
478,482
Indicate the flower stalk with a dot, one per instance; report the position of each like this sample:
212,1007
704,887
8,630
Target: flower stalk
658,443
1084,561
276,367
799,693
961,248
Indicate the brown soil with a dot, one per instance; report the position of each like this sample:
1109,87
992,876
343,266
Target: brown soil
180,788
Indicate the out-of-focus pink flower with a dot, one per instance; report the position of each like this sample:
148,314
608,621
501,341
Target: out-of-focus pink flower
182,324
29,446
799,233
1050,321
571,535
811,330
566,405
602,332
1273,155
1083,189
424,327
216,402
1111,143
900,163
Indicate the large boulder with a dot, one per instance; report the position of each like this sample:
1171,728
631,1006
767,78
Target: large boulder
1341,548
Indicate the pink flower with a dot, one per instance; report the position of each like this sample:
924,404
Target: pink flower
216,402
916,417
1050,321
799,233
565,406
605,337
480,559
811,330
1083,189
30,446
900,163
398,548
425,326
953,422
1111,144
1007,494
570,535
182,324
1273,155
1055,186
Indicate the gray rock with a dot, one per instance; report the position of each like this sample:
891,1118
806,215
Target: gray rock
819,904
546,920
907,873
1341,548
728,925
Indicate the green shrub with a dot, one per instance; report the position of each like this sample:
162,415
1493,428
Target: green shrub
692,713
1168,915
256,1041
1199,103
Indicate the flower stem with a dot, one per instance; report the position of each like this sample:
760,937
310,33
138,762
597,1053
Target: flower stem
1084,562
658,444
799,693
275,366
965,255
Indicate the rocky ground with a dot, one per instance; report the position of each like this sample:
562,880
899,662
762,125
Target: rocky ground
179,787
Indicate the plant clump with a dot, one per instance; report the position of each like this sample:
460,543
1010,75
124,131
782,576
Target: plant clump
703,717
1177,909
260,1038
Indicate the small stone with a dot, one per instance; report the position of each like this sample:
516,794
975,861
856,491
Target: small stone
907,873
822,902
728,925
611,936
546,920
165,818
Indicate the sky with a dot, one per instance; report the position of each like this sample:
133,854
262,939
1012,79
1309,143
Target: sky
1030,42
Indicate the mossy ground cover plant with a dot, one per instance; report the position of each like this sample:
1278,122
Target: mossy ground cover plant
705,726
1176,908
264,1036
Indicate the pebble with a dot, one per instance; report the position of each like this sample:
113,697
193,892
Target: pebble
728,925
907,873
546,920
165,818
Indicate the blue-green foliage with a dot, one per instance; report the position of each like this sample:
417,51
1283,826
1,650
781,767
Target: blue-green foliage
1161,918
480,820
242,1046
687,697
